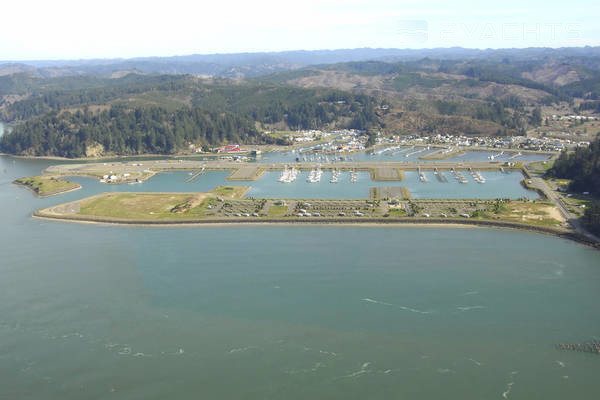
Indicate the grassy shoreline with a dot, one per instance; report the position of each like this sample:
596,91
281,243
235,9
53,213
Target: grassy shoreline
46,186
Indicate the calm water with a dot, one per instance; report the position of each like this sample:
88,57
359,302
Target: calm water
498,185
327,312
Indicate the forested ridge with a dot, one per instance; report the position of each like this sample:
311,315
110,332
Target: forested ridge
126,131
47,97
167,114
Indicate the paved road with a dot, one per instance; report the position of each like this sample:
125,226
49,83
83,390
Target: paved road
562,207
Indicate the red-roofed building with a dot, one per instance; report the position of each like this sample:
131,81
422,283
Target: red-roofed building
231,148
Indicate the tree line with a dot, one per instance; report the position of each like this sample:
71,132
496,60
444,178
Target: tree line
583,168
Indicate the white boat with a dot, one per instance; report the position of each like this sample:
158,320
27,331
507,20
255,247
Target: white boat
334,176
288,175
314,176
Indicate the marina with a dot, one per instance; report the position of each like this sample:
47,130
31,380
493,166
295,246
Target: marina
310,184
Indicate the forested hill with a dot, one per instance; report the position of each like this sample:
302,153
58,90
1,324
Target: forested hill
581,166
126,132
167,114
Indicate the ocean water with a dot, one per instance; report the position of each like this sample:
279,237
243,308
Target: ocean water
287,312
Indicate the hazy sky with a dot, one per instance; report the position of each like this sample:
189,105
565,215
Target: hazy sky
73,29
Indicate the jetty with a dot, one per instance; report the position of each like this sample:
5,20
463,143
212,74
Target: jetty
592,347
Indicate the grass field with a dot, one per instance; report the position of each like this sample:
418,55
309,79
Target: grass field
277,211
47,185
146,205
541,166
538,213
157,206
235,192
397,212
281,134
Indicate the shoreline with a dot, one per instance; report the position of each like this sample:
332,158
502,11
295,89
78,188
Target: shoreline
273,148
116,157
375,222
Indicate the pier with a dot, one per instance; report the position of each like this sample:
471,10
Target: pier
417,152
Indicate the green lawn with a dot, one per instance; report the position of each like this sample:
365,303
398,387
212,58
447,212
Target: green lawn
235,192
541,166
277,211
397,212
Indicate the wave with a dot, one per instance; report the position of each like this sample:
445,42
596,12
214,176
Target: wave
377,302
414,310
479,364
509,385
242,349
467,308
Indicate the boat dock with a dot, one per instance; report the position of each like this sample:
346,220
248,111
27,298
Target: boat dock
440,176
195,175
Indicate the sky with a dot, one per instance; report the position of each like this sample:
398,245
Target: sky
82,29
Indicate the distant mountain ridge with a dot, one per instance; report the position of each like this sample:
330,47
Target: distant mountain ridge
249,65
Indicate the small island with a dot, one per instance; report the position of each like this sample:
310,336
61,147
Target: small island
47,185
